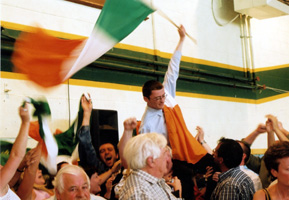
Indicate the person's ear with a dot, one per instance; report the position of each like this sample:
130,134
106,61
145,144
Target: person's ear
274,172
57,194
244,156
150,161
146,99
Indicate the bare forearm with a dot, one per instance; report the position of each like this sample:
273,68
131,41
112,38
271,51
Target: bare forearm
127,134
86,118
14,180
25,189
285,132
182,34
104,176
251,137
270,138
16,155
107,194
280,135
208,148
180,45
19,147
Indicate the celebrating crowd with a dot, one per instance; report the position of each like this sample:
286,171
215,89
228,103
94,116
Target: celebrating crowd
157,158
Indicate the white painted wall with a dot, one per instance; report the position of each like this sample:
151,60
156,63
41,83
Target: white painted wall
214,43
270,41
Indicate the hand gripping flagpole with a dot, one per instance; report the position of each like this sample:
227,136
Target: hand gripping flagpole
172,22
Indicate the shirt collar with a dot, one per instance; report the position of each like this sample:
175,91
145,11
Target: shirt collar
228,173
146,176
155,111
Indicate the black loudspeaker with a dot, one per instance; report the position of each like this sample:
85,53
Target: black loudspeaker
104,127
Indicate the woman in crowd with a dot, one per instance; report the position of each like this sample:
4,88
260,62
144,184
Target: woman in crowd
277,162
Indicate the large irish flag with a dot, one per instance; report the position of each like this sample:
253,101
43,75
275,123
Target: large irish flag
49,61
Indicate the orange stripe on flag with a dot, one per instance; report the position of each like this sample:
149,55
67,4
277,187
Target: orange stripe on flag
34,133
42,57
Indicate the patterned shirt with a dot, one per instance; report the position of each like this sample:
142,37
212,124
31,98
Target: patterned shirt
254,177
234,184
142,186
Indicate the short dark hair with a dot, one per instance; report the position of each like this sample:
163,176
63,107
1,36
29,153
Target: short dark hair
90,170
246,149
149,86
106,142
231,152
274,153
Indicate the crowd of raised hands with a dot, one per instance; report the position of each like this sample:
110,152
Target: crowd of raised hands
21,177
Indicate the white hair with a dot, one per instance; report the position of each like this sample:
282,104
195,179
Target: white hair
68,169
142,146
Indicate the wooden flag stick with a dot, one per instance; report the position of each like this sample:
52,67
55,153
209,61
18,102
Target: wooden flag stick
172,22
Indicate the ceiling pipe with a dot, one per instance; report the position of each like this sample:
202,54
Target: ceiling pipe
190,69
121,67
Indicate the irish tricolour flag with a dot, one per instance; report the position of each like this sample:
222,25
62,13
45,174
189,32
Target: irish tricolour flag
49,61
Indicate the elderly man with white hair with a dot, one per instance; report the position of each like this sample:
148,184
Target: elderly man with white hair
147,156
72,183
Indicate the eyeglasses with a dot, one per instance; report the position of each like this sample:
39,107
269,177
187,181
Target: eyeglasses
160,97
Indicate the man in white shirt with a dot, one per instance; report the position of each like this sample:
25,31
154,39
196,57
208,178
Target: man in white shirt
246,154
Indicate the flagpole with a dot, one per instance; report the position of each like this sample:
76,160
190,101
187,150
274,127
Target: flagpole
172,22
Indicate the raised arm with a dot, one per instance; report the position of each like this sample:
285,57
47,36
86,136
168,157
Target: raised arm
25,190
87,153
182,33
29,158
105,175
200,138
172,74
270,131
284,131
129,125
261,128
276,129
17,152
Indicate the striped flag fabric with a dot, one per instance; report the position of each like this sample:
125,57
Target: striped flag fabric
44,135
59,145
49,61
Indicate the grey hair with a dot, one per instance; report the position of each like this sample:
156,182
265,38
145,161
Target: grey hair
69,169
142,146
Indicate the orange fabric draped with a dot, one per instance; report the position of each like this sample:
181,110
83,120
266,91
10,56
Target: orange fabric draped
184,146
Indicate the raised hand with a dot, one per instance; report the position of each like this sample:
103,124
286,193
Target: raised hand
130,124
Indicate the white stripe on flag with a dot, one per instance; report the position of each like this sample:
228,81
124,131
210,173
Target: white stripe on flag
97,45
51,147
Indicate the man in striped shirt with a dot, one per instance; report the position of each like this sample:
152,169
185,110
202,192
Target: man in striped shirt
233,183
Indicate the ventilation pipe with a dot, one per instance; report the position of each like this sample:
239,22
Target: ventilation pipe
246,42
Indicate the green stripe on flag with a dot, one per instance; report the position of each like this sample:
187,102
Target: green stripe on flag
68,140
41,109
119,18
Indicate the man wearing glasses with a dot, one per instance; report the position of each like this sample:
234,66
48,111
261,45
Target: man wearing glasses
163,115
